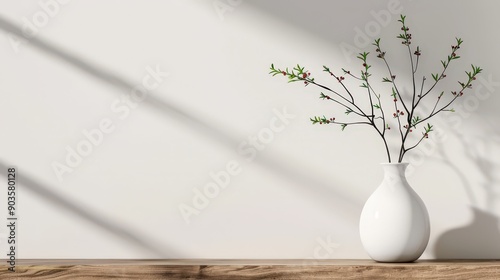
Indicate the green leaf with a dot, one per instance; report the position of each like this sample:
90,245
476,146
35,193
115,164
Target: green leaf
428,128
414,121
393,93
476,70
435,77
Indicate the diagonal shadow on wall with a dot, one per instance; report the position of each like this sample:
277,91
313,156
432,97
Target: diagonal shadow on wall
322,191
96,219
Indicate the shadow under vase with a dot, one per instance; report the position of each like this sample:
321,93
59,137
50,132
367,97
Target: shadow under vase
479,239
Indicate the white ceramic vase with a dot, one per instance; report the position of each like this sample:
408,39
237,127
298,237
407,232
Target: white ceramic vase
394,224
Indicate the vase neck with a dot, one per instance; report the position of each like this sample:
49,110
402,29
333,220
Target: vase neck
394,173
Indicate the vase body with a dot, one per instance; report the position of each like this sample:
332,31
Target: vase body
394,224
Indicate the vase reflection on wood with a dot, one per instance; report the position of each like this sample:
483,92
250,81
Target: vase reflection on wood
394,224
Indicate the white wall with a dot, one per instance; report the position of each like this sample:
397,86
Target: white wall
304,188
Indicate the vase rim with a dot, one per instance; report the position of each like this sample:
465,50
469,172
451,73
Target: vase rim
394,163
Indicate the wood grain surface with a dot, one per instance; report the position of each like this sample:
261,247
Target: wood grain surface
250,269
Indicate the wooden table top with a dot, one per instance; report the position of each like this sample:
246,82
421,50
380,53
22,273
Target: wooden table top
250,269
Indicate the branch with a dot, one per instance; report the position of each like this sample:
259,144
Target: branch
324,96
445,64
381,55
